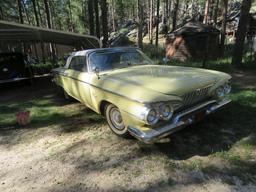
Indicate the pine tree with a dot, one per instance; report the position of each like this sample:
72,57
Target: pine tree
91,17
223,25
104,20
241,33
20,11
157,20
140,24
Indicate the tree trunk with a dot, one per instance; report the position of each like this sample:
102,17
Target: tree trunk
91,17
71,25
175,13
1,13
223,25
37,23
35,13
48,14
241,33
39,14
133,12
206,12
25,11
157,20
185,9
113,15
20,11
151,22
193,11
169,12
216,8
167,9
55,20
97,22
148,15
104,20
49,25
140,24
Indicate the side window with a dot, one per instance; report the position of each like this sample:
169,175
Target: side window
78,63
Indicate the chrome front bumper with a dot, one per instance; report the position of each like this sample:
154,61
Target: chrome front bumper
178,122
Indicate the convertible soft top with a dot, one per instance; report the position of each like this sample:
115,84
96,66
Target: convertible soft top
112,49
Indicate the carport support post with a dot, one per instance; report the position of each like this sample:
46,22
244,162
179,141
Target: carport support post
43,53
53,53
35,48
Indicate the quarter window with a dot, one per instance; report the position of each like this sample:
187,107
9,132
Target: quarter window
78,63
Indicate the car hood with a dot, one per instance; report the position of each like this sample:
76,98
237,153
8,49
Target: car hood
158,80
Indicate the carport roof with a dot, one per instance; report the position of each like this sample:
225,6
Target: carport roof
14,32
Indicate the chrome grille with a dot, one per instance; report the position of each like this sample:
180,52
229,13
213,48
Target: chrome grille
195,96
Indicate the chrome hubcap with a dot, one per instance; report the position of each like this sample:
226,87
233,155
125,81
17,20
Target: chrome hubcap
116,119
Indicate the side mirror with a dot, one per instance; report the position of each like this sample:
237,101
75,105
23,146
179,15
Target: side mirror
96,70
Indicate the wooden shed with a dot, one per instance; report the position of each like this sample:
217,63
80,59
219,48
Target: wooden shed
194,40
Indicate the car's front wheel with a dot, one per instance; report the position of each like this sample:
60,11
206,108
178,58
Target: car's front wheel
115,121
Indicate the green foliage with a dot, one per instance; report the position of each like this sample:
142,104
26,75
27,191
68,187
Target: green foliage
41,68
120,10
70,15
154,53
10,11
67,15
123,30
220,64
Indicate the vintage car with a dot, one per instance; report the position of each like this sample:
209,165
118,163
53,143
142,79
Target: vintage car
13,68
137,97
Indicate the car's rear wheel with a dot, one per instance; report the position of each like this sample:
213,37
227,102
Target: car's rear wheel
115,121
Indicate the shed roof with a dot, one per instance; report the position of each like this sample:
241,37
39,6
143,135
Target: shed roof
193,28
14,32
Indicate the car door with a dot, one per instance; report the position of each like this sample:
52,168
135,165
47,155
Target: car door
62,78
79,77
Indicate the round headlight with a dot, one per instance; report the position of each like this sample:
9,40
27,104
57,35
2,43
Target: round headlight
152,117
219,92
227,88
167,112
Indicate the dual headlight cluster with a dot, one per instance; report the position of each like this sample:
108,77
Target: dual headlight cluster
222,90
161,111
164,111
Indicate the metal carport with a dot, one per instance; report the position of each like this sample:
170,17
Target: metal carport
14,32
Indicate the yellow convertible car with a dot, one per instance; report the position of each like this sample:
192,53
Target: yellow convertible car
137,97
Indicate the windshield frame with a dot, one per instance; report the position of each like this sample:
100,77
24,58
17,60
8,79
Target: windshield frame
117,51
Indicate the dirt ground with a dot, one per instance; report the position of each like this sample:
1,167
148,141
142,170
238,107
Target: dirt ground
67,147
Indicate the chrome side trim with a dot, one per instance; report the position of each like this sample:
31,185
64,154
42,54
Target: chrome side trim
114,93
177,123
120,95
13,80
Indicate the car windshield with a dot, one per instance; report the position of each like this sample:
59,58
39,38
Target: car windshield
106,61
